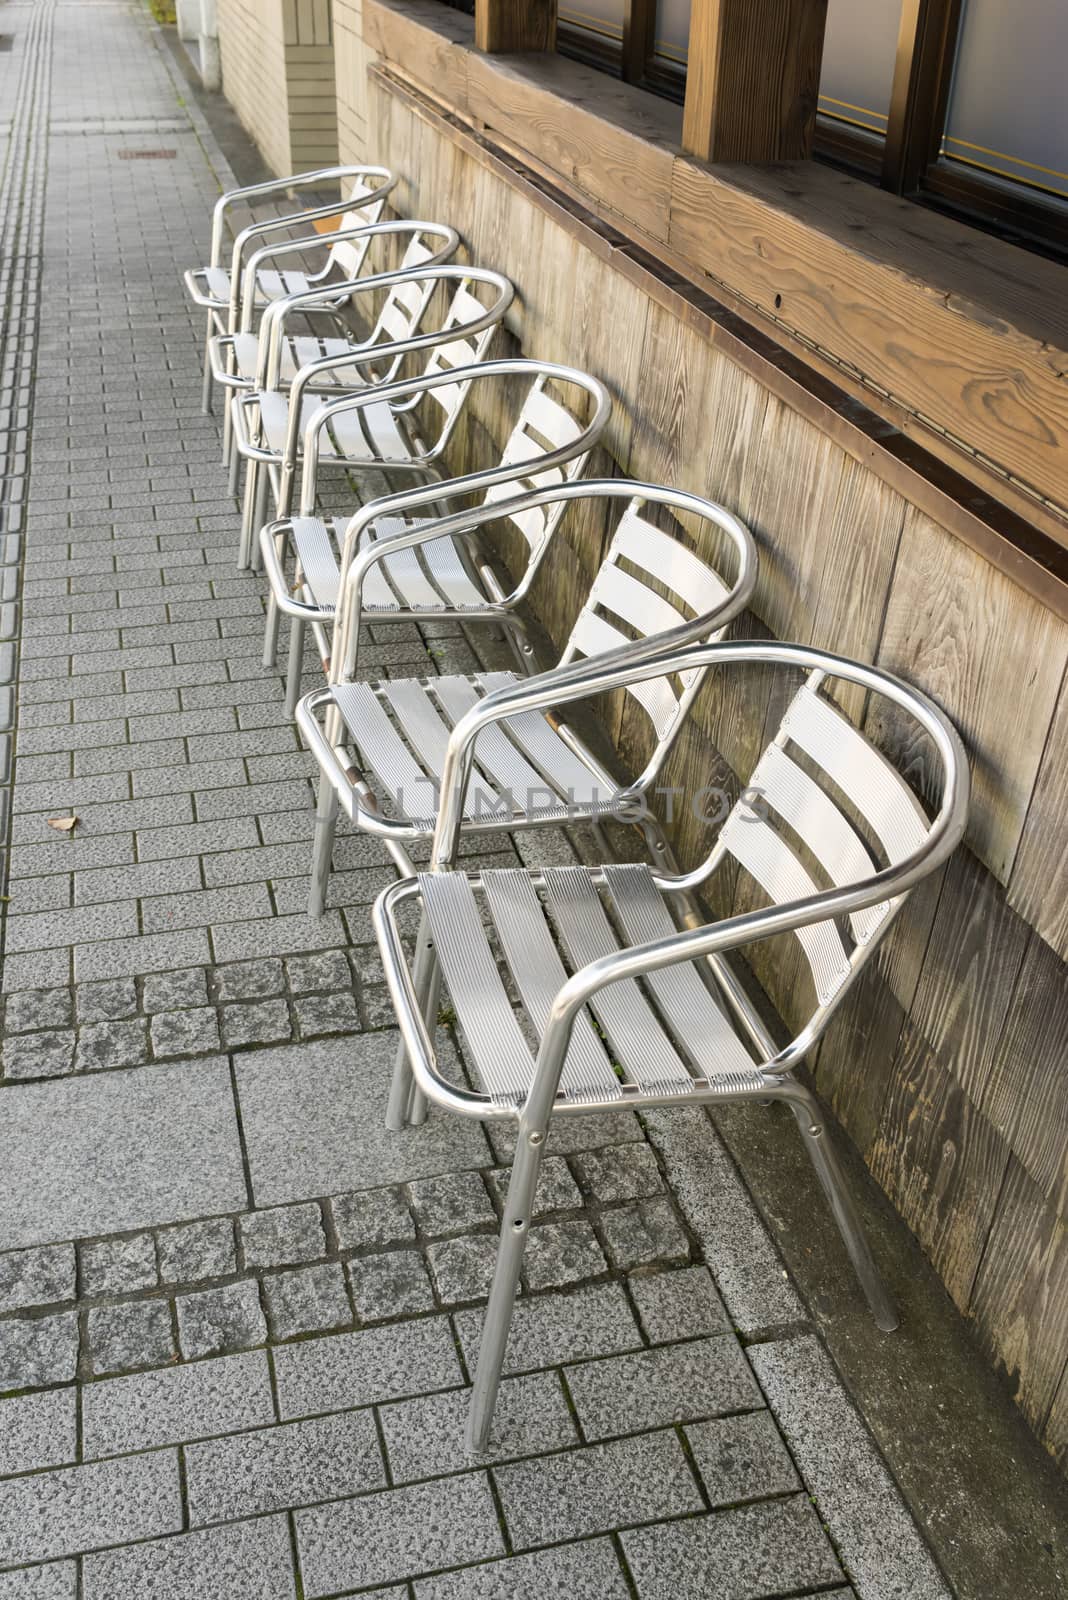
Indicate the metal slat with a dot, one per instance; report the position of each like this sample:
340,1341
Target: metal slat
816,819
593,636
500,1053
879,793
428,735
539,976
767,857
557,763
634,1033
685,1002
669,561
633,601
383,750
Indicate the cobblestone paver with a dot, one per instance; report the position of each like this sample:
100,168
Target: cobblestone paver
238,1319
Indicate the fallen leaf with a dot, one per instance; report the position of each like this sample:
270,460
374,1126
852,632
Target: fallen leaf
64,824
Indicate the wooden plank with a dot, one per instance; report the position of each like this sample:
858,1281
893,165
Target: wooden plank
940,1162
1055,1432
992,658
938,340
752,79
1027,1094
510,25
427,42
1020,1301
1038,887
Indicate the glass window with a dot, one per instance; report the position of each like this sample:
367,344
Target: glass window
1008,101
600,20
859,51
672,34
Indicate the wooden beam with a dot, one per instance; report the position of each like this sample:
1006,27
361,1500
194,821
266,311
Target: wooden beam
503,27
639,37
752,79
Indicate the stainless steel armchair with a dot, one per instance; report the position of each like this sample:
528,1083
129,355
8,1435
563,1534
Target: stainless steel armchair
307,558
627,988
271,424
380,747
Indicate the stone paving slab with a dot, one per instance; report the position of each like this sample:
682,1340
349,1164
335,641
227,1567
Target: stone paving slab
238,1320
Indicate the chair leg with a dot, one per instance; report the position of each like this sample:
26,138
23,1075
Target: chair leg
270,634
322,848
297,630
522,647
205,397
514,1230
248,514
814,1134
235,465
407,1103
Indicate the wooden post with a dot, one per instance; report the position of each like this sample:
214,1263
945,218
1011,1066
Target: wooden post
752,79
503,27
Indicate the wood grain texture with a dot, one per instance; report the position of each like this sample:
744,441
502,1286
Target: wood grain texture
1038,887
1027,1092
752,79
1021,1295
992,659
930,337
509,25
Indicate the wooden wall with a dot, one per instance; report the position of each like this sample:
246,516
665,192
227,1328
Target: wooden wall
278,73
948,1066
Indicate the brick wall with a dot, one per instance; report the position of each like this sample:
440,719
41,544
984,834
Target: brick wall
278,74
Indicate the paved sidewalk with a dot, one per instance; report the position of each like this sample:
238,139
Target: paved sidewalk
238,1319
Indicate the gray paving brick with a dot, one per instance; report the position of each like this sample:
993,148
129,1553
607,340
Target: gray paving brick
569,1134
742,1458
223,1395
243,1561
373,1217
277,936
205,907
391,1284
56,1581
451,1203
145,878
63,1512
38,1008
361,1369
307,1300
295,1464
462,1268
425,1437
249,980
644,1232
596,1489
116,958
557,1189
120,1150
137,1333
674,1383
586,1571
327,970
549,1329
282,1236
256,1022
185,1033
757,1550
169,991
196,1250
319,1015
157,843
220,1320
56,854
678,1305
560,1253
314,1122
38,1430
38,1350
119,1266
620,1172
28,972
39,1055
400,1533
103,1046
106,1001
857,1499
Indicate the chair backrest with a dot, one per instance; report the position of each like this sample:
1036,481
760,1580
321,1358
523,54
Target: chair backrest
363,207
403,308
543,426
823,808
466,351
627,603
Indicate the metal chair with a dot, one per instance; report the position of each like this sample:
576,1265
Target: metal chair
364,433
380,747
624,984
241,359
218,289
306,557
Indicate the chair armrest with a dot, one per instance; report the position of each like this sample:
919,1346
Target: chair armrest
297,180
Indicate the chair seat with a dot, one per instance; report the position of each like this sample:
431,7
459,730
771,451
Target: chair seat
517,932
371,434
297,352
270,285
524,770
434,577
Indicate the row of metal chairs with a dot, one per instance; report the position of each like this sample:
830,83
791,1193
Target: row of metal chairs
576,987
